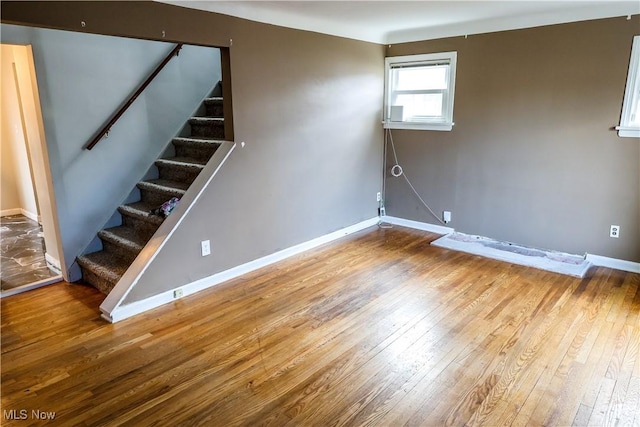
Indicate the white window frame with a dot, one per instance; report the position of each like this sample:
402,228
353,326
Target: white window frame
442,124
629,125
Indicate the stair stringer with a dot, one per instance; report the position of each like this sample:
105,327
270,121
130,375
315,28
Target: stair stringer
113,302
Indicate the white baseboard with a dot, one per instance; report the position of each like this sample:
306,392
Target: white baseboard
10,212
424,226
125,311
618,264
20,211
30,215
52,262
597,260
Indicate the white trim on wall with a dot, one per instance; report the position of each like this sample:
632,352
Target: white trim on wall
20,211
10,212
125,311
52,262
30,215
600,261
629,123
618,264
424,226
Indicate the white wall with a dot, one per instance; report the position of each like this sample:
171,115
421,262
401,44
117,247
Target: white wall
17,188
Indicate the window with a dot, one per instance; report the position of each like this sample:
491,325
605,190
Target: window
419,91
630,119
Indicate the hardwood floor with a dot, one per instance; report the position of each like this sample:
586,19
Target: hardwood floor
379,328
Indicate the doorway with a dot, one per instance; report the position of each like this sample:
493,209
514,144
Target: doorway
30,237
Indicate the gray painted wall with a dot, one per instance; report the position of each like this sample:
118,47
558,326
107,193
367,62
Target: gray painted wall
532,158
312,162
308,107
83,79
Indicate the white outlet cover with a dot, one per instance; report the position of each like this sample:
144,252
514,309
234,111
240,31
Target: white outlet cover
205,246
614,231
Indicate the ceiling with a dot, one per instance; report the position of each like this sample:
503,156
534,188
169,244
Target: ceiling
402,21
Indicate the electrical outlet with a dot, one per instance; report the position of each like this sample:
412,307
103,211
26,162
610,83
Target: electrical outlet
205,245
446,216
178,293
614,231
378,196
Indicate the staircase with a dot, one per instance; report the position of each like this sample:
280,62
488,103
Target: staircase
122,244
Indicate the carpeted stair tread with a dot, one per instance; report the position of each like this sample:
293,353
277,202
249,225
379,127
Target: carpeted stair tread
186,162
164,186
124,236
158,191
214,106
209,127
197,139
197,142
185,167
141,210
206,120
201,148
104,265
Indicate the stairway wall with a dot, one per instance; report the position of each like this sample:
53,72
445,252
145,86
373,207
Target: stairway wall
83,79
308,108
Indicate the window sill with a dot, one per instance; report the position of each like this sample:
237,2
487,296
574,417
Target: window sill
628,132
418,126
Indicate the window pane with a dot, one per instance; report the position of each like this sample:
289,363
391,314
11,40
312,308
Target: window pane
419,91
421,78
429,105
630,117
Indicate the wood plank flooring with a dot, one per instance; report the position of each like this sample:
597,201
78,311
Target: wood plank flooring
378,328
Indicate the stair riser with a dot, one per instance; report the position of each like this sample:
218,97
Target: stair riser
145,228
186,175
208,130
198,151
214,110
125,253
96,281
157,198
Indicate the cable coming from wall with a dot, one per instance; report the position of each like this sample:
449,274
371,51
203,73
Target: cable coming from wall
397,171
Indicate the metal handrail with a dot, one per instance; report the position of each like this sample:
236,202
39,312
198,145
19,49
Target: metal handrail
105,130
